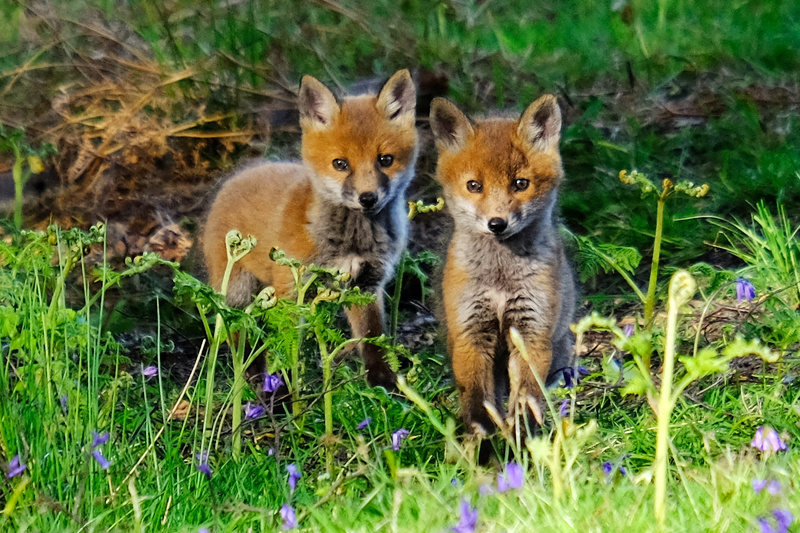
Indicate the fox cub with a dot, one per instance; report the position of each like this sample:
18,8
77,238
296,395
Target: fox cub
506,265
343,206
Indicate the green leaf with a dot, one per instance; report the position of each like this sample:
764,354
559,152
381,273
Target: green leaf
706,362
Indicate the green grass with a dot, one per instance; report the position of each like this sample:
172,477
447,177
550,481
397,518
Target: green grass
615,72
51,351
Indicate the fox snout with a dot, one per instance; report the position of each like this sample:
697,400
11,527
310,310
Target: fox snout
368,200
497,225
367,191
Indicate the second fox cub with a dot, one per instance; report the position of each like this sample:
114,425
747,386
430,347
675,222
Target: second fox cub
342,207
506,265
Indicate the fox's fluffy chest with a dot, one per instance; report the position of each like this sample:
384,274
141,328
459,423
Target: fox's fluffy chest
506,281
367,246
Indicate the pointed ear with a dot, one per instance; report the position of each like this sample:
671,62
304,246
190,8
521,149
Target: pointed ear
398,98
451,128
540,125
316,103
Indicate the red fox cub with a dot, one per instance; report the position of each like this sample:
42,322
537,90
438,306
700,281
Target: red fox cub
343,206
505,265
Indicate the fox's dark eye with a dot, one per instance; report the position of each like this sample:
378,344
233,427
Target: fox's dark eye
341,164
474,186
385,160
521,184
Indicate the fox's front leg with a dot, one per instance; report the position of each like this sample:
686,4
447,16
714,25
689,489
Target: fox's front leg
367,321
535,319
473,367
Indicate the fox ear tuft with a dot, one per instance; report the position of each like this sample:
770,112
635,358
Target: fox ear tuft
316,103
540,124
450,126
398,97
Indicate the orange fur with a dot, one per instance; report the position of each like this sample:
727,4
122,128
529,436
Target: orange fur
300,208
505,265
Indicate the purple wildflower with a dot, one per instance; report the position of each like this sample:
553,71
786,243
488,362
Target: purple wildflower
99,438
628,330
150,371
101,460
468,519
398,437
745,291
203,530
364,423
773,486
767,439
15,467
288,516
202,464
64,406
294,475
610,469
783,519
253,411
272,382
573,375
511,478
564,409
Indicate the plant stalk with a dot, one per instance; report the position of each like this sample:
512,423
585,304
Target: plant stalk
681,288
650,299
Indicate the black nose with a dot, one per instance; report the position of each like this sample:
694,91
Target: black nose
368,200
497,225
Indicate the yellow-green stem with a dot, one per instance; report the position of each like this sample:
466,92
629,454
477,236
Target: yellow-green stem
236,401
327,398
650,300
398,287
19,183
681,288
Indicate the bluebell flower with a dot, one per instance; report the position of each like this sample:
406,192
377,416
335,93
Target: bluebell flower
64,406
628,330
272,382
610,469
745,291
150,371
15,467
398,437
253,411
99,438
364,423
202,464
574,375
294,475
101,460
767,439
512,478
773,486
468,519
782,519
563,410
288,516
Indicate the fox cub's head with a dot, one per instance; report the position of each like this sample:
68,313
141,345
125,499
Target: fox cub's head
499,175
363,149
